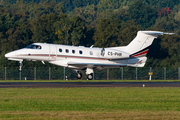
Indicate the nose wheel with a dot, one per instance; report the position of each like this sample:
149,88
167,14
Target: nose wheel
20,66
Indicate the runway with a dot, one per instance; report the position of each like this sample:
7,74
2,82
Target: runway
86,84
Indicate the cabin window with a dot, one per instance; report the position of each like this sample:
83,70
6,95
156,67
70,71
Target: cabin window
80,52
91,53
67,51
73,51
33,46
60,50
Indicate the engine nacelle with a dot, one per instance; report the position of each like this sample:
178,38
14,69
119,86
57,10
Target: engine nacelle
114,54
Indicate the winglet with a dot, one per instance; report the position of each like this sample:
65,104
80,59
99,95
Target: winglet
170,33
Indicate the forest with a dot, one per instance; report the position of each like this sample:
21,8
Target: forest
102,23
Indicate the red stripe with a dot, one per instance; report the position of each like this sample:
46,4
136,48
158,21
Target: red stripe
141,53
46,55
82,57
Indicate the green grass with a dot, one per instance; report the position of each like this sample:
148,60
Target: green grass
89,103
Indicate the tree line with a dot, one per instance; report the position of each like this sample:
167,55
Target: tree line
102,23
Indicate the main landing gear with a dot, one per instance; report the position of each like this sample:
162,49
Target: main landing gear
90,76
78,74
89,73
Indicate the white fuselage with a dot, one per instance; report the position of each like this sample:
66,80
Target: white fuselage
62,55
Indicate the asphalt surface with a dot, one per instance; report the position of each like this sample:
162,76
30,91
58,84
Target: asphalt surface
86,84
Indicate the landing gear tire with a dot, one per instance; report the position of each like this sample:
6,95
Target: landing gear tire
90,76
78,75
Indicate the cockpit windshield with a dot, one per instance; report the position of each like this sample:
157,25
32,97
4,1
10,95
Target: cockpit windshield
32,46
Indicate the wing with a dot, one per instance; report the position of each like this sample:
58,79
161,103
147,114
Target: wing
81,65
133,62
94,65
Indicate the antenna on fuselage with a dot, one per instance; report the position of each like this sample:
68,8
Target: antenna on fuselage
43,62
92,46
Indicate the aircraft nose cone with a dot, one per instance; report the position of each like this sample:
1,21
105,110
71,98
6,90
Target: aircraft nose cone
11,54
7,55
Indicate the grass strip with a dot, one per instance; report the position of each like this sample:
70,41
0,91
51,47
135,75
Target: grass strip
79,115
89,103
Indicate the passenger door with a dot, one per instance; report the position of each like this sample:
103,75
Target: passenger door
52,52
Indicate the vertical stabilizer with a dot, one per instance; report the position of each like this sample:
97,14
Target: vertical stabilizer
141,43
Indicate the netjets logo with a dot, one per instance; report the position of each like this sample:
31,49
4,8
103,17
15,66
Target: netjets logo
102,51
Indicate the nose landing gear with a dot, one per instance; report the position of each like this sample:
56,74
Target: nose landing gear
20,66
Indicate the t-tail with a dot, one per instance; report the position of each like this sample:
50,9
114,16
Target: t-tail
139,47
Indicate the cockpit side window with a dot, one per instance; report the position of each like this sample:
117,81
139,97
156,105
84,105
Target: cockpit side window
37,47
33,46
30,46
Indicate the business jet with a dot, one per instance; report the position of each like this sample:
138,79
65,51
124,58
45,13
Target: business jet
89,58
